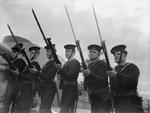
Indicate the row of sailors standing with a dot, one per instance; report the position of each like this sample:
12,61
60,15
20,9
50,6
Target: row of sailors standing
26,81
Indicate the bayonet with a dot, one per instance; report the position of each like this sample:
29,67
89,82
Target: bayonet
48,42
107,61
21,50
76,41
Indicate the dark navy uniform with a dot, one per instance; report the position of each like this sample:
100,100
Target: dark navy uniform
34,54
47,89
23,100
69,74
96,84
24,103
36,79
12,93
127,74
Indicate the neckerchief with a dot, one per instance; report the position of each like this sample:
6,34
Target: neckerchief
93,61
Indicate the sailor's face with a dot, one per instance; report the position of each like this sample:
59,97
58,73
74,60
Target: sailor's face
117,56
68,53
14,54
34,54
93,54
49,53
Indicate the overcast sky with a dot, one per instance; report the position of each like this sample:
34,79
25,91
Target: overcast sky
121,22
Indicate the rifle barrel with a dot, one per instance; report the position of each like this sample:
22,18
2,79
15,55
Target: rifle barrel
76,41
70,23
107,61
97,23
12,33
22,50
39,26
47,41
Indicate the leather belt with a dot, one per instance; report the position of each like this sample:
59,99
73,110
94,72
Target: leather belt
26,82
70,82
98,91
126,93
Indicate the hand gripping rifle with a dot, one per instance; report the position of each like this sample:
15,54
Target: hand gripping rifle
26,57
21,50
8,59
107,61
79,49
48,43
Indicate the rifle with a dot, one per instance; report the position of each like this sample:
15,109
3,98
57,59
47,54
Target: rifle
107,61
76,41
47,41
7,58
21,50
84,66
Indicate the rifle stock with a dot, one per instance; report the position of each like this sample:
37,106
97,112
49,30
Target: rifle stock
81,54
27,59
109,68
48,43
53,51
79,49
